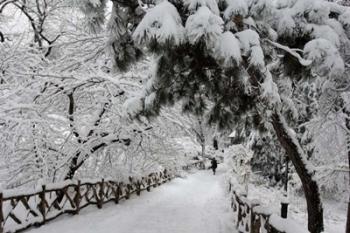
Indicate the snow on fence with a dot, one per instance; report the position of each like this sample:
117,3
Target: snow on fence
20,211
198,165
252,217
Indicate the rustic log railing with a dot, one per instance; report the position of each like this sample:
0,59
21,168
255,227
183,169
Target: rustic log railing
198,165
252,217
22,210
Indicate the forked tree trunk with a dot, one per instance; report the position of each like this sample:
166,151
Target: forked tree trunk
305,173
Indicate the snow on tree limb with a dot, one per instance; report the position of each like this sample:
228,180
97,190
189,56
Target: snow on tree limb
292,52
162,24
235,7
194,5
248,38
270,90
325,57
204,25
227,50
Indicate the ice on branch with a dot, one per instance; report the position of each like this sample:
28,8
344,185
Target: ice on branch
285,3
250,45
257,57
150,100
228,50
345,18
286,25
94,12
248,39
235,7
319,12
290,23
325,57
133,106
260,8
337,27
95,3
325,32
270,90
204,25
316,11
161,23
194,5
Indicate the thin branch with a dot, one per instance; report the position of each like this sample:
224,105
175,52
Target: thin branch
292,52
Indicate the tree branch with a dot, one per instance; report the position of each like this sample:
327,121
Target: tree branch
292,52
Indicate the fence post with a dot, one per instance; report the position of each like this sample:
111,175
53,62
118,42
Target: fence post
101,192
155,180
160,178
149,181
239,214
1,215
138,187
42,203
127,191
164,178
116,194
160,181
284,209
284,205
77,197
254,220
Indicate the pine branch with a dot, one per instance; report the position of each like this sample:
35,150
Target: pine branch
292,52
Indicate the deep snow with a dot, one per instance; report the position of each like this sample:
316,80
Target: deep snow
196,203
334,212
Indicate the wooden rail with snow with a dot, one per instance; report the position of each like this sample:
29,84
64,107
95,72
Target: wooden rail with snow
251,216
199,165
20,210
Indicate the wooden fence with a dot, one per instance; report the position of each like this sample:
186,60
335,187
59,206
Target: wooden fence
22,210
198,165
252,217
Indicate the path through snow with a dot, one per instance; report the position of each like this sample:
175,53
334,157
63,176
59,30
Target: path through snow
195,204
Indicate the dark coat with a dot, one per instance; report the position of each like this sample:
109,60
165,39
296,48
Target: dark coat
214,163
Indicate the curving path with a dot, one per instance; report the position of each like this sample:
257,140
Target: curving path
195,204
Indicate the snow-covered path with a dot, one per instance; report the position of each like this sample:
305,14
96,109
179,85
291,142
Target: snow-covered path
193,204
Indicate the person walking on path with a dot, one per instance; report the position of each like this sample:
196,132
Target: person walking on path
214,165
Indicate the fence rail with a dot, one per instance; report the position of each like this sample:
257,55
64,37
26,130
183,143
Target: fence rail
251,216
20,211
198,165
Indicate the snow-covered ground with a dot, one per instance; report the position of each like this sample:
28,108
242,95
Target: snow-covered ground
334,212
196,203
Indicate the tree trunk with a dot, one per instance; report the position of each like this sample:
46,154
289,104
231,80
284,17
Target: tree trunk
347,123
348,150
203,149
73,167
298,158
348,218
77,161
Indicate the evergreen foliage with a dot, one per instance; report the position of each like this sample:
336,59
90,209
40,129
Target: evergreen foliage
271,70
284,46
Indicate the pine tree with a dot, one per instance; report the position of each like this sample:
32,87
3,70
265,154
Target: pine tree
268,158
235,54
